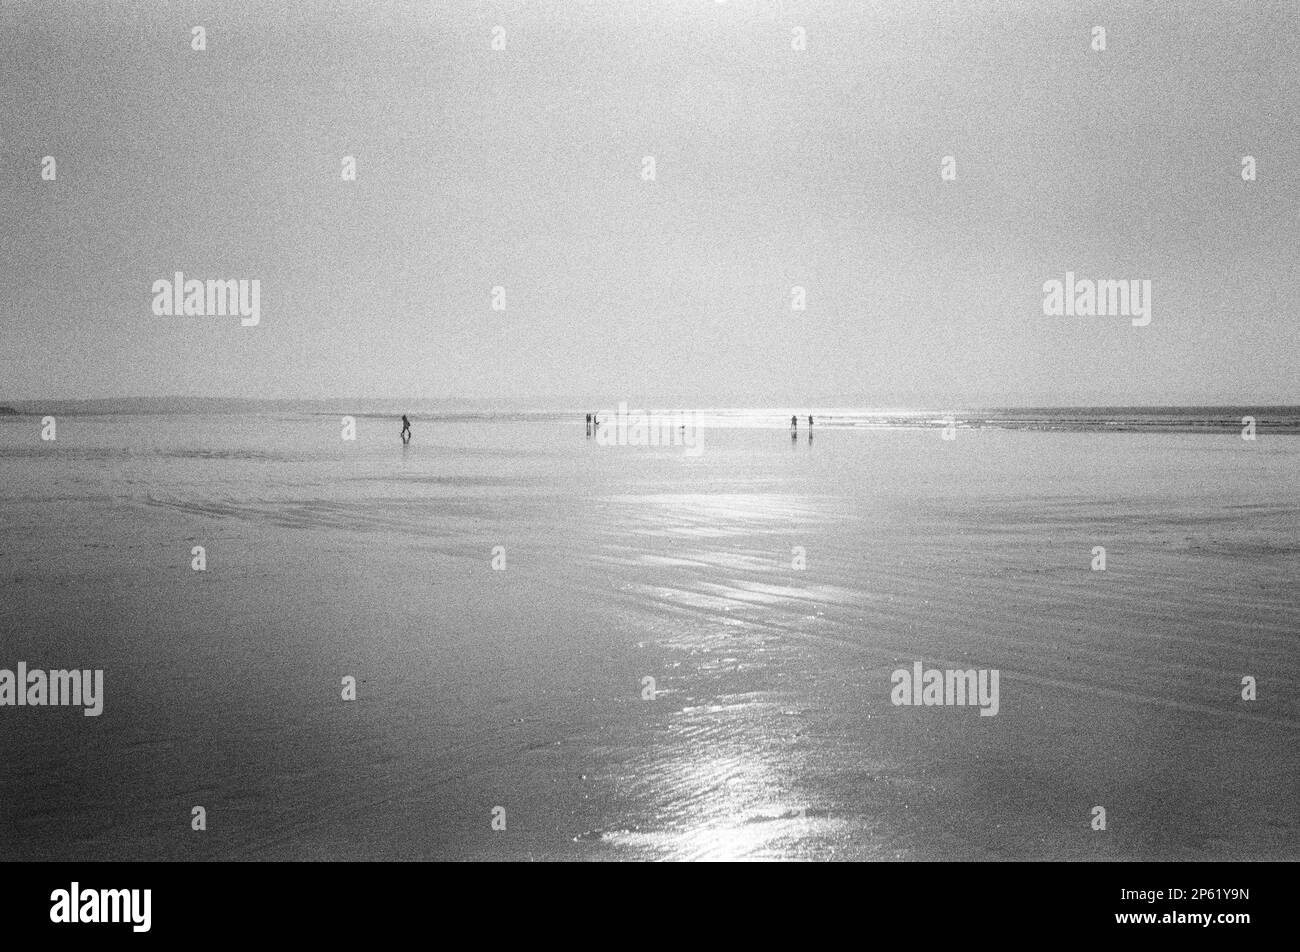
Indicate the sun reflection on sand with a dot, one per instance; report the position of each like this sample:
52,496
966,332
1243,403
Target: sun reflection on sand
722,780
714,514
725,790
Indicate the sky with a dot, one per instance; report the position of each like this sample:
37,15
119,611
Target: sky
775,167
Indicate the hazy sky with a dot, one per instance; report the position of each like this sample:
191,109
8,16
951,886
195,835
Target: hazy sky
775,167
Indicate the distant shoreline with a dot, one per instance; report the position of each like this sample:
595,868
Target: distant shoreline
1272,420
107,405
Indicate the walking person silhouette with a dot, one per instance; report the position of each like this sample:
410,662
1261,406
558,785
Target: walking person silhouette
406,429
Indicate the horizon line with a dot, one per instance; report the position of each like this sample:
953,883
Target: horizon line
576,402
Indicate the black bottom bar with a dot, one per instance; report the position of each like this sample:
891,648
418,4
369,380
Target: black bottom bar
1221,902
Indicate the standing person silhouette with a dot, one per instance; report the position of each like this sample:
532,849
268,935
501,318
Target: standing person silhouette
810,421
406,429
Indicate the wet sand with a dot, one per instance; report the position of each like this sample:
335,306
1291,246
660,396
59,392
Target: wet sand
771,734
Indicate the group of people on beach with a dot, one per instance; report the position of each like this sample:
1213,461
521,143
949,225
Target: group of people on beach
593,421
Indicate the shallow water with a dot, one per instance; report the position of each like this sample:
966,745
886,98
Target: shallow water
771,733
